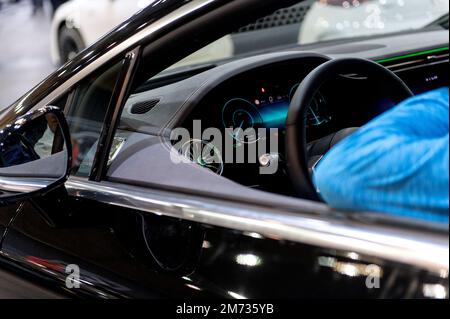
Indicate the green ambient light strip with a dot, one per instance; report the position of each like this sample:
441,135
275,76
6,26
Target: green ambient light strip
401,57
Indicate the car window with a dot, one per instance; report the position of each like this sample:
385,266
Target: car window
306,22
314,21
86,113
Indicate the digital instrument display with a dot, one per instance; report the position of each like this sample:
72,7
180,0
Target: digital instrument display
268,108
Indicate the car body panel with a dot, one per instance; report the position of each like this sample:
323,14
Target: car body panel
150,243
6,216
230,264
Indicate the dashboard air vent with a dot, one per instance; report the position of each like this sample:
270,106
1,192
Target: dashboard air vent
144,107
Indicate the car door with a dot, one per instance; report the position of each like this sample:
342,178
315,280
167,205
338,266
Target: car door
57,235
51,240
107,239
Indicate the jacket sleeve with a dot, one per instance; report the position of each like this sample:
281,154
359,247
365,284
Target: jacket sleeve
397,164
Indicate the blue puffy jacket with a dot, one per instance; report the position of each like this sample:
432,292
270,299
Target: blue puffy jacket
397,164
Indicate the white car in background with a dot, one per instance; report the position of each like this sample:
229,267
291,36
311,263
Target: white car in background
79,23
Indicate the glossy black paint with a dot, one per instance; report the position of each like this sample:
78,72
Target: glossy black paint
128,253
6,215
201,261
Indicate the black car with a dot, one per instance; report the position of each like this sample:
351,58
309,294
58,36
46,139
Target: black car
96,200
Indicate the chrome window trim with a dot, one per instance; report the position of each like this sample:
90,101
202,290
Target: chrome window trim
125,46
429,251
24,184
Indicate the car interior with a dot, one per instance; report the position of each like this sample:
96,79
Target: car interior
255,91
177,157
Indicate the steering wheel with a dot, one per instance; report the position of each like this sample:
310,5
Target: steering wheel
296,145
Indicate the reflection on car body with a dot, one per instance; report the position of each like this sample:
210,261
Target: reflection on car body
139,225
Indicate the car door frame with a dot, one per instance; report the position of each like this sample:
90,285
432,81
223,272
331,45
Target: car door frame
294,223
312,223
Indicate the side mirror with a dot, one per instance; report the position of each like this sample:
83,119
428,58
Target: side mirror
35,154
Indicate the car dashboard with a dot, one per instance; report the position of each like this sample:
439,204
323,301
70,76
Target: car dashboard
252,108
255,92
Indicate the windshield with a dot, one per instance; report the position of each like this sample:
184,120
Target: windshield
314,21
